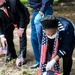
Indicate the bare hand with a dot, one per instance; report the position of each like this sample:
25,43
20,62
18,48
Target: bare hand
20,32
3,41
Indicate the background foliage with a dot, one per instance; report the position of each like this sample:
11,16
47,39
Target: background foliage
27,1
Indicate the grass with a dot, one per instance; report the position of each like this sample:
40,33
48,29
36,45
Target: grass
24,1
56,0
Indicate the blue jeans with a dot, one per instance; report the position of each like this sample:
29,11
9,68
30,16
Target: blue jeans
36,33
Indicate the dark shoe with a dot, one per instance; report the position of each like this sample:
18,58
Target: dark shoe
9,58
34,66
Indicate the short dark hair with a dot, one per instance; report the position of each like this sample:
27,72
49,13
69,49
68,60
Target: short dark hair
50,21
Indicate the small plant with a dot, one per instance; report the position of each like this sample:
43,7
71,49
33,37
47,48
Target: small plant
29,74
1,73
24,72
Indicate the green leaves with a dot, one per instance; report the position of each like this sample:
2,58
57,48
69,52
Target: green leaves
23,0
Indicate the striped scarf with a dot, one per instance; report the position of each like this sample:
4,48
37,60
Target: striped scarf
55,68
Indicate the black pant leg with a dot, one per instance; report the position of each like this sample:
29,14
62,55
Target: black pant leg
9,37
67,62
23,44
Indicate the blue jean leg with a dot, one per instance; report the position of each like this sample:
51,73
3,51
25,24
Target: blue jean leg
39,35
34,39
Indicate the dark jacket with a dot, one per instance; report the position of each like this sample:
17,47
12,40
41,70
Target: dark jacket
41,4
66,36
18,14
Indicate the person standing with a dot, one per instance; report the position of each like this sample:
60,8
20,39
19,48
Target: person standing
40,8
14,14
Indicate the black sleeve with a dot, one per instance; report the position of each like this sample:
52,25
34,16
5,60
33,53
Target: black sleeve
23,14
1,27
67,41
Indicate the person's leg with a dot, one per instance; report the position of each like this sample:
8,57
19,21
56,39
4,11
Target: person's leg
11,53
67,63
39,35
34,39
